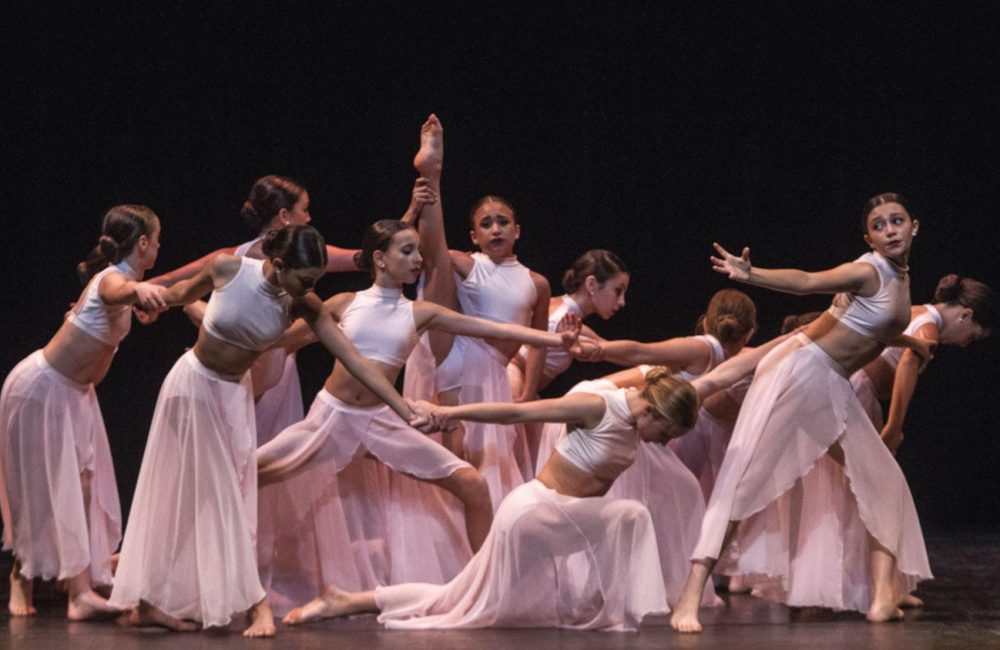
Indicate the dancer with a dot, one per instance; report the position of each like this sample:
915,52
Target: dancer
489,284
188,549
556,555
964,311
347,420
802,408
595,284
58,494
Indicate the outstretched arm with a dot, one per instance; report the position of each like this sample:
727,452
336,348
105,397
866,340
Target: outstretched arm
734,368
535,362
436,317
584,409
117,289
219,271
854,277
190,269
677,354
340,260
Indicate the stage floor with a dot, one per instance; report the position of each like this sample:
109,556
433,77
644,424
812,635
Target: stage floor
962,611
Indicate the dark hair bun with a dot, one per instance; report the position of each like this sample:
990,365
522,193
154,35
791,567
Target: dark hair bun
948,288
361,261
251,216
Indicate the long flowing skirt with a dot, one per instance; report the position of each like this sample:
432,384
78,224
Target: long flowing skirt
189,543
329,535
549,561
798,505
51,430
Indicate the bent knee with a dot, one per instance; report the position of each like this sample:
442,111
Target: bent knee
470,486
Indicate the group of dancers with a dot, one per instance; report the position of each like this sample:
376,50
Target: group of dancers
471,502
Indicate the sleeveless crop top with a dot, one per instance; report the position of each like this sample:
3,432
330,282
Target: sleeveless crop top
716,356
244,248
107,323
893,354
557,360
379,322
248,311
609,448
880,317
501,292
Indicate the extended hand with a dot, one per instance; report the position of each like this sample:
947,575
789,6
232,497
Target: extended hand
587,349
737,268
569,327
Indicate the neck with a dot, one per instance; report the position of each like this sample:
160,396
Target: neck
134,264
385,281
582,299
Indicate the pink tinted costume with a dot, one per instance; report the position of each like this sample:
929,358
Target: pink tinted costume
330,540
552,560
801,511
189,543
51,430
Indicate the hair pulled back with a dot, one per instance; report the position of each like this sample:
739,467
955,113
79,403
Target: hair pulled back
268,196
882,199
491,198
730,315
121,228
601,264
793,322
377,237
955,290
672,398
299,247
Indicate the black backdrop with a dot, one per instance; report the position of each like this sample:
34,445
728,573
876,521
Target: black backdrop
646,128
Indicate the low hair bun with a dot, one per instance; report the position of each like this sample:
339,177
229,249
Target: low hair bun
657,373
948,288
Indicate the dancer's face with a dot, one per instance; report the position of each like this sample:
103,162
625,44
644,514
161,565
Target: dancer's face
299,214
401,261
608,297
151,248
656,429
890,231
494,229
963,330
298,282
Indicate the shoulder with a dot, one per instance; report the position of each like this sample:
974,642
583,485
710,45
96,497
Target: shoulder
541,284
338,303
463,261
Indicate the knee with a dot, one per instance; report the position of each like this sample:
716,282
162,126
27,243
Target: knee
471,487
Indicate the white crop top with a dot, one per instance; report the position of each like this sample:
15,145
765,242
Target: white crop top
244,248
379,322
248,311
108,324
501,292
716,356
557,360
609,448
893,354
880,317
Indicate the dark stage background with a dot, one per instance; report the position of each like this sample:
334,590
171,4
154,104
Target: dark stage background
650,129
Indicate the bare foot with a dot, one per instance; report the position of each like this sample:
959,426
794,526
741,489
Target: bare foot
146,615
884,613
332,602
263,621
685,620
87,605
909,601
430,156
737,585
21,590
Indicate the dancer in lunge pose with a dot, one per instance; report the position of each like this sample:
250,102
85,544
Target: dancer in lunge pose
58,494
188,549
347,420
557,555
800,407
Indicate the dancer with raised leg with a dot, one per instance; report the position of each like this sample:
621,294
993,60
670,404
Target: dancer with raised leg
58,495
347,420
800,407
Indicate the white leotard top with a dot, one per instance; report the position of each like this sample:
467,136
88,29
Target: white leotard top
501,292
880,317
609,448
244,248
248,311
716,356
107,323
557,360
932,315
379,322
